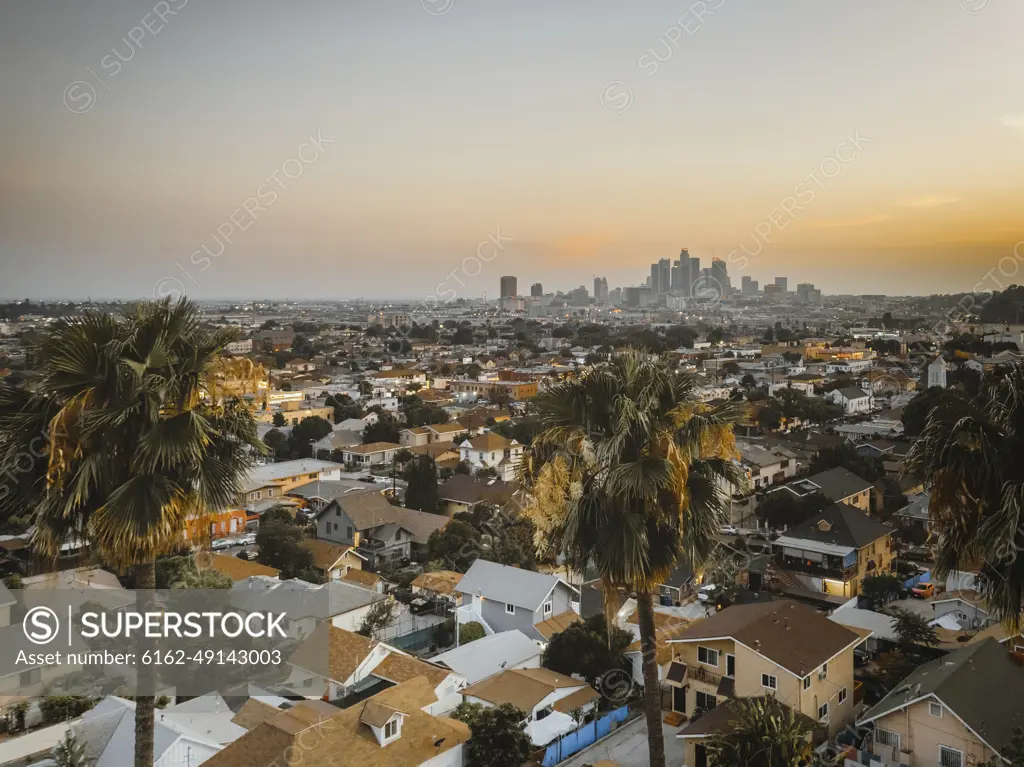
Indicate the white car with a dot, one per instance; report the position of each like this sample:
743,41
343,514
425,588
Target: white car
729,530
249,539
220,544
706,592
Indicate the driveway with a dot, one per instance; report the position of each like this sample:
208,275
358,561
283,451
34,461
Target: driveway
627,747
920,606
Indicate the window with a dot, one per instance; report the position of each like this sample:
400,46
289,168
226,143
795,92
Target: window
807,682
548,607
312,476
950,757
935,709
887,738
510,609
391,729
706,701
824,671
349,532
336,527
769,681
823,712
707,656
842,696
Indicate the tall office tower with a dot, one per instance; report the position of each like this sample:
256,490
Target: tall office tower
509,287
721,273
536,289
615,297
601,291
655,278
693,276
677,279
805,291
747,285
783,283
664,275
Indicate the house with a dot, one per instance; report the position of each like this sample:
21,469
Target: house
955,711
443,432
491,655
679,584
308,605
463,492
365,579
766,467
780,648
316,495
937,369
915,513
836,549
439,583
492,451
333,561
389,729
381,532
547,697
502,598
273,480
338,663
852,398
413,437
839,485
372,454
962,610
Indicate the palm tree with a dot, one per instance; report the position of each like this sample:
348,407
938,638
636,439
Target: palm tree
763,733
135,445
969,453
630,473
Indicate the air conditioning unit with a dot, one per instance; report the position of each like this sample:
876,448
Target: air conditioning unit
822,674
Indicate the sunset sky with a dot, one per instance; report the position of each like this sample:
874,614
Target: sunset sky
598,135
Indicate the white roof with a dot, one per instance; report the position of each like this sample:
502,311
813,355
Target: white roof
549,728
851,616
490,655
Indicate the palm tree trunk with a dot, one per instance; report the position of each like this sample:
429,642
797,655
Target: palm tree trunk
652,685
145,705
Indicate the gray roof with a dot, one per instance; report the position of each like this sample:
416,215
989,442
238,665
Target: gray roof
489,655
328,489
917,508
512,585
839,483
980,683
849,527
368,510
301,599
853,392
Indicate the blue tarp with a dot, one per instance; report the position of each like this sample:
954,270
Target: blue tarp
922,578
588,734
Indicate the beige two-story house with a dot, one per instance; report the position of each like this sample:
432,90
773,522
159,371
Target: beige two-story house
780,648
956,711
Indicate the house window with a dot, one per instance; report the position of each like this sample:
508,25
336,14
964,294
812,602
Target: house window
391,729
348,532
769,681
548,608
950,757
823,712
824,670
706,701
935,709
807,682
312,476
510,609
707,656
842,696
337,512
887,738
336,527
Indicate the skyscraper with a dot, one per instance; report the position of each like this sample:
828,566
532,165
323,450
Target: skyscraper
749,285
536,289
655,279
509,287
677,279
783,283
664,275
600,291
721,273
692,277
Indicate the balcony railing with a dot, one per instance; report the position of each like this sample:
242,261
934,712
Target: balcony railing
813,568
701,674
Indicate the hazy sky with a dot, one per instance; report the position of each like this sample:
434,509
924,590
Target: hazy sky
598,135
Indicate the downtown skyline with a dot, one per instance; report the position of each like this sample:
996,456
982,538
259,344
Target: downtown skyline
596,142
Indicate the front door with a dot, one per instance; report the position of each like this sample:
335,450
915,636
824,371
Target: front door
700,755
679,699
730,665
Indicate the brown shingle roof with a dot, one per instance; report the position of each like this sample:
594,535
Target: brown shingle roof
325,553
253,713
369,509
332,650
576,700
523,688
401,668
372,447
557,623
362,578
791,634
233,567
439,581
490,441
377,714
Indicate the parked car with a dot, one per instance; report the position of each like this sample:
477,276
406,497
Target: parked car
923,590
220,544
729,530
249,539
708,593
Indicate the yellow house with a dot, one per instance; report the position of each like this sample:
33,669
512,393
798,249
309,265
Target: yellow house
780,648
836,549
956,711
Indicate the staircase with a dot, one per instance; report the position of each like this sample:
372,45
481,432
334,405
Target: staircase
787,580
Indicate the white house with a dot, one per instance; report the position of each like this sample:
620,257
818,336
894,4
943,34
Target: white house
937,373
852,398
492,451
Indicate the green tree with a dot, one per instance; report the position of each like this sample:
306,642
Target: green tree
421,493
69,752
282,546
377,618
585,648
277,444
629,475
769,415
969,453
384,430
139,443
500,395
456,544
881,588
847,457
764,733
203,579
498,738
308,430
470,632
279,420
916,413
913,630
344,407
